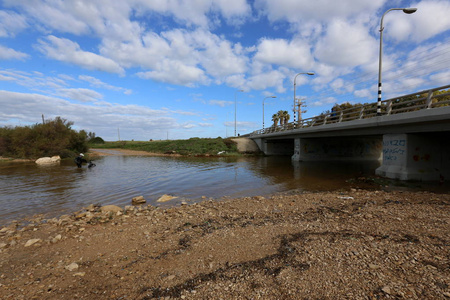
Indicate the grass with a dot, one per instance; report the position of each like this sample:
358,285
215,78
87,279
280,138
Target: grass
190,147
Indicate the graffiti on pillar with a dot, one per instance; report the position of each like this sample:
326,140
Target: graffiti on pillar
393,149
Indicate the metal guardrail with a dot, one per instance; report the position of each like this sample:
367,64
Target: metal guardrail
391,106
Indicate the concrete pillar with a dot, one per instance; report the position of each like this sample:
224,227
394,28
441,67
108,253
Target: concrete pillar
297,150
414,157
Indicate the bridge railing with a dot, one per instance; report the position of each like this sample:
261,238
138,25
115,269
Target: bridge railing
425,99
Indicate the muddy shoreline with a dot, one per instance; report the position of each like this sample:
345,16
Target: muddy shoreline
355,244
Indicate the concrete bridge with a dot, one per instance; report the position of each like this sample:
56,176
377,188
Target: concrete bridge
411,137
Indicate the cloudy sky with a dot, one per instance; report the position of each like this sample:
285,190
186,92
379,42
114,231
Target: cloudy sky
157,69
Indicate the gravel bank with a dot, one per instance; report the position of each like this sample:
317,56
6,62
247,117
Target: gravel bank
336,245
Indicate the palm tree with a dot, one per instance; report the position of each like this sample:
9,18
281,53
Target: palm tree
275,119
286,117
280,117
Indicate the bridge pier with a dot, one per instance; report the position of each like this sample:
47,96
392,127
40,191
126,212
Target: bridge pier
337,149
415,157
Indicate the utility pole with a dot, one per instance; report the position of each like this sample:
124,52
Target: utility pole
299,104
118,133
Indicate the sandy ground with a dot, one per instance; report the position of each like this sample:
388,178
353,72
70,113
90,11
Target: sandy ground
354,244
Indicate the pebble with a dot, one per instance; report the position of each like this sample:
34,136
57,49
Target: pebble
56,238
71,267
387,290
111,208
32,242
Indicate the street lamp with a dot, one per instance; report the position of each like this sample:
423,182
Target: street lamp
235,94
406,11
295,78
263,106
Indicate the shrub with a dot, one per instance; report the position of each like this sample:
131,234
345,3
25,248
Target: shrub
54,137
96,140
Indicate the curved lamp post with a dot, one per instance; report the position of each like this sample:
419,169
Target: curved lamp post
295,78
263,106
235,94
406,11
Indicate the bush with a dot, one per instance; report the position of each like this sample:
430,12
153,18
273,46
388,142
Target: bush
54,137
96,140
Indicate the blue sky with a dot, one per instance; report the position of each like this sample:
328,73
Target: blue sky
157,69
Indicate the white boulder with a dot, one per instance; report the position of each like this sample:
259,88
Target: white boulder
48,160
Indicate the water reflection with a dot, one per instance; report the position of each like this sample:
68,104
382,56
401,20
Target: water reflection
27,189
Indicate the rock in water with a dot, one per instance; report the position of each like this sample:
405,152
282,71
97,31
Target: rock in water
166,198
48,160
138,200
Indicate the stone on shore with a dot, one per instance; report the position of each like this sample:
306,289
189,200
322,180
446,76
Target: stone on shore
111,208
71,267
138,200
165,198
32,242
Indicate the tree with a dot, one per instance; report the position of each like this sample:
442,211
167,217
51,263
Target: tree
275,119
286,116
54,137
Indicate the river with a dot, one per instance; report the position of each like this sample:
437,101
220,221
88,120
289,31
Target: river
28,189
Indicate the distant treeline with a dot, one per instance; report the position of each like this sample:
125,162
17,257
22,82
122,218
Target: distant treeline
52,137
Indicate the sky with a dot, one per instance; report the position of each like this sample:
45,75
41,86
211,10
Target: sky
176,69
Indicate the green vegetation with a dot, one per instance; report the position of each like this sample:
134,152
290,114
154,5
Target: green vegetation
282,116
193,146
54,137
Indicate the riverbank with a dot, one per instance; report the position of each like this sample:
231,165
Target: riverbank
356,244
189,147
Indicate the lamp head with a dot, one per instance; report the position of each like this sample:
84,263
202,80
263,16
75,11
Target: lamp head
273,96
410,10
310,73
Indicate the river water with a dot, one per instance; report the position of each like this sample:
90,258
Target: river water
27,189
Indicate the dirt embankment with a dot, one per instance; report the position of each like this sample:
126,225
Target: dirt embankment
350,245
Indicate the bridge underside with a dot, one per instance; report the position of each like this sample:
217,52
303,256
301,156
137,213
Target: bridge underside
406,156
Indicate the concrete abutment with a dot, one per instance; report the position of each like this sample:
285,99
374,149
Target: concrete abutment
424,157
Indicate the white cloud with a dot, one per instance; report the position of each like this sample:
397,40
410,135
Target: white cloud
70,52
134,120
83,95
294,54
363,93
221,103
264,80
166,54
441,78
98,83
346,44
196,12
296,11
205,125
324,101
11,23
175,72
430,19
8,53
